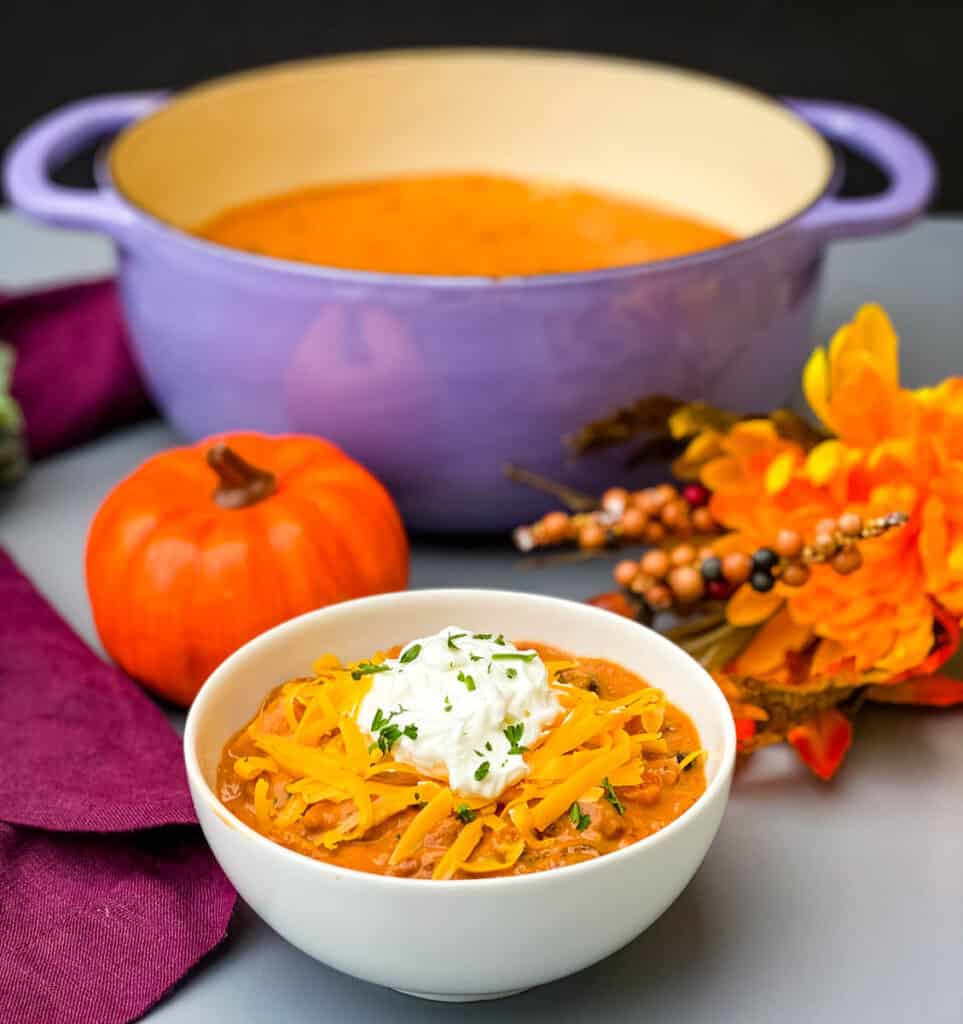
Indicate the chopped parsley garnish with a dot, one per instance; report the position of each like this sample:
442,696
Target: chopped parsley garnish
511,672
488,747
579,820
452,637
518,656
474,657
500,639
465,814
413,651
513,733
481,771
482,636
367,668
447,703
388,732
381,719
387,738
612,796
467,680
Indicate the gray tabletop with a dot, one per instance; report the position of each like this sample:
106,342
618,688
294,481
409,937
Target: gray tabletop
816,903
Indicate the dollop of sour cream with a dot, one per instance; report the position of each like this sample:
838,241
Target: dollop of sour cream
461,705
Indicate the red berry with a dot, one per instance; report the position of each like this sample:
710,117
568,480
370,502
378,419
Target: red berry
718,590
696,495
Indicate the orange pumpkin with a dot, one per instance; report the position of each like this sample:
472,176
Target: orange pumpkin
202,548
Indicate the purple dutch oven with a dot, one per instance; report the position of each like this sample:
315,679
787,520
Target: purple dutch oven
436,382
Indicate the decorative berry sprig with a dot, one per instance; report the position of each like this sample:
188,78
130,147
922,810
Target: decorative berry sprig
682,576
681,569
650,516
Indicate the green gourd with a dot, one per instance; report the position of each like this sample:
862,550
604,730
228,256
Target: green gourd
13,452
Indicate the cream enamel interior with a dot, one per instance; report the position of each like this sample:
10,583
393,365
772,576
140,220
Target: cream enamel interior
685,141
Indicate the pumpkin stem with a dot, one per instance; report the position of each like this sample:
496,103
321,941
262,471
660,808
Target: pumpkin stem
239,483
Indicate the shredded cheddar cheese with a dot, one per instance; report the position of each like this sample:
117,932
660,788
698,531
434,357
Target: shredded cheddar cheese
460,850
314,763
426,819
690,759
262,807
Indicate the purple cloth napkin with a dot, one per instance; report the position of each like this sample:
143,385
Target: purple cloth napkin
108,892
74,376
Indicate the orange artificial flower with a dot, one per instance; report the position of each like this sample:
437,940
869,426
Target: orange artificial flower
884,448
879,620
822,742
894,449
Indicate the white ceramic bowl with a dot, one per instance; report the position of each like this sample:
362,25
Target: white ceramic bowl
477,938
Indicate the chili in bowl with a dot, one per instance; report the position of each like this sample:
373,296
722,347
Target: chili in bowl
371,769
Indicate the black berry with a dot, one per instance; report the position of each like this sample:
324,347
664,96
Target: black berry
711,569
764,560
761,581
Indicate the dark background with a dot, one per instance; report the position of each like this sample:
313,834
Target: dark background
904,59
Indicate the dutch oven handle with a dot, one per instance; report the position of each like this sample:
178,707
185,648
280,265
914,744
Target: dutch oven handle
894,149
51,141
